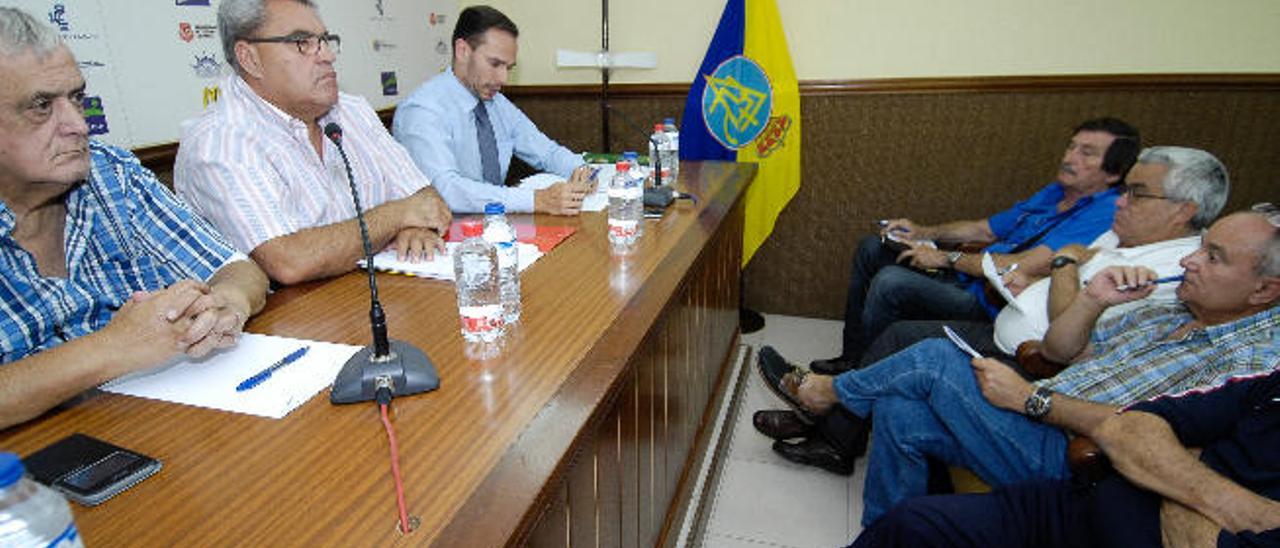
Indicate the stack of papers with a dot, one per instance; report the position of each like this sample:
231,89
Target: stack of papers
211,381
440,266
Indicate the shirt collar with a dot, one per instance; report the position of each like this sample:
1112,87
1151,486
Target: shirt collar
1261,322
241,88
466,100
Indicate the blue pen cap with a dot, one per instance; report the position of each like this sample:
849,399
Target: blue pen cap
495,208
11,469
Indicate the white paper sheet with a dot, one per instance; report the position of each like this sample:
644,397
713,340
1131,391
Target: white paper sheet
211,381
993,277
596,201
440,266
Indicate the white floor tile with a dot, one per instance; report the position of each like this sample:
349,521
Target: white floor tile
780,504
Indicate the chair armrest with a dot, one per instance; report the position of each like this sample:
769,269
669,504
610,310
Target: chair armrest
1086,460
1033,361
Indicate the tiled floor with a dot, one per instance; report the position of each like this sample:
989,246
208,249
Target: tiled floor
762,500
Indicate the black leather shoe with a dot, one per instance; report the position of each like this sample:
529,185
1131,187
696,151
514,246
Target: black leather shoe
833,366
773,368
779,424
815,452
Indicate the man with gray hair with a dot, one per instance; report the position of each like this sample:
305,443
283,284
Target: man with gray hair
259,165
933,400
1170,196
105,271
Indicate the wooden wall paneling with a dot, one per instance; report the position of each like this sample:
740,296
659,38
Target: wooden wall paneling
552,530
584,499
609,480
629,449
647,465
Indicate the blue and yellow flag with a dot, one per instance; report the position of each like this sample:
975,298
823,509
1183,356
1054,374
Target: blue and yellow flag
744,106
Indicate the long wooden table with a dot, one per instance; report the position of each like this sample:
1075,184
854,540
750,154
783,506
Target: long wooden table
579,433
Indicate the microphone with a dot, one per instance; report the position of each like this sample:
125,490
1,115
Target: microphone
657,158
386,364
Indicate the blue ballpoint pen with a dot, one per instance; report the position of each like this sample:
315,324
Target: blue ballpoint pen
266,373
1157,281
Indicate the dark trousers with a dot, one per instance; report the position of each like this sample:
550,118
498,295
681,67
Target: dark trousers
1040,514
881,292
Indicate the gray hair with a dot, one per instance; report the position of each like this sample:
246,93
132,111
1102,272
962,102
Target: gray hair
1194,176
240,19
20,32
1269,262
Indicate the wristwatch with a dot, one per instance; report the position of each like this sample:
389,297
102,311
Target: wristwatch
954,256
1039,403
1061,261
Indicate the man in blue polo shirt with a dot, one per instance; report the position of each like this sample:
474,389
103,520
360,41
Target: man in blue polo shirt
1076,208
1163,494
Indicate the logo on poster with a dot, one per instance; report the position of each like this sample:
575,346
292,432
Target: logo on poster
185,32
207,66
436,19
211,95
94,116
191,2
379,45
58,18
389,86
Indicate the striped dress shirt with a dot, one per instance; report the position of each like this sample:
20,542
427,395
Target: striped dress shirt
125,232
1134,360
249,167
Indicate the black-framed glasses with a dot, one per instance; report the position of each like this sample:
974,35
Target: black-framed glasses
308,44
1135,194
1268,210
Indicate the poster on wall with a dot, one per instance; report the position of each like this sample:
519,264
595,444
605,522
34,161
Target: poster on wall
149,66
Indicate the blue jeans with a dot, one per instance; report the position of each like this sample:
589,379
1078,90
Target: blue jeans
881,292
925,402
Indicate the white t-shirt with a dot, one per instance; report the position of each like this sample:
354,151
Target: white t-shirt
1014,326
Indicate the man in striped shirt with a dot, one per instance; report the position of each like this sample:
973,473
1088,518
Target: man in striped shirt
258,165
931,400
105,271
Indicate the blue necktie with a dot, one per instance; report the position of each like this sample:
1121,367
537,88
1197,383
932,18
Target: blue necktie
488,146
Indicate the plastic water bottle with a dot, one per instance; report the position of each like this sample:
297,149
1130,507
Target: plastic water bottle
30,513
502,235
625,208
673,141
475,270
659,153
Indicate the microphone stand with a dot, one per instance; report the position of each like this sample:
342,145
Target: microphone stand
390,366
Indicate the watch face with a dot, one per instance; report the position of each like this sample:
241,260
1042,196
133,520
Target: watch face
1059,262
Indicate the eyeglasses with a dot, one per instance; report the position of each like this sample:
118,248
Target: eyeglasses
308,44
1134,194
1270,211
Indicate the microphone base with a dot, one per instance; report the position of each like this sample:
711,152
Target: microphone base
409,369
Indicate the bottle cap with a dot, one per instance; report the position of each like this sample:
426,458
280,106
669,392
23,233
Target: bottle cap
630,155
623,165
657,128
669,121
495,208
471,228
11,469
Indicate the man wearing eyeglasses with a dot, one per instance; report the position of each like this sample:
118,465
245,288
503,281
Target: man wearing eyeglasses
258,165
463,132
933,400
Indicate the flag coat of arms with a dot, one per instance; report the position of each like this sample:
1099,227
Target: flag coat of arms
744,106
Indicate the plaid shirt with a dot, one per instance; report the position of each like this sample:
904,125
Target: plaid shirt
1134,361
125,232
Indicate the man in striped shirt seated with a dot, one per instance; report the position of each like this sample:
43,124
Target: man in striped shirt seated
105,271
932,400
259,165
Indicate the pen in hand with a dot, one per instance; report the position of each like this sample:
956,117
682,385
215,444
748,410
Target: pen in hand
265,374
1157,281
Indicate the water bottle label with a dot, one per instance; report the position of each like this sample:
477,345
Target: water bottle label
481,319
622,229
475,270
628,192
70,538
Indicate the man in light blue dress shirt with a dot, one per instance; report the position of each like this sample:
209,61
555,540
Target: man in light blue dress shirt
461,131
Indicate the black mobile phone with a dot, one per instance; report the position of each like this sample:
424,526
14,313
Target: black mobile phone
88,470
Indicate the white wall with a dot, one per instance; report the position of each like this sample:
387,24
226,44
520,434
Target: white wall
863,39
